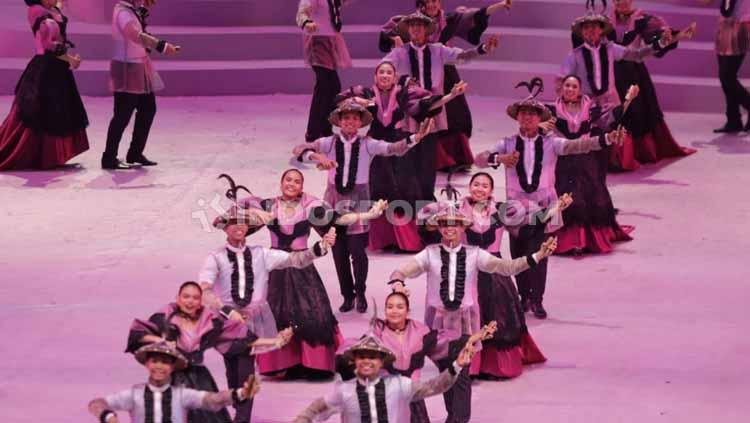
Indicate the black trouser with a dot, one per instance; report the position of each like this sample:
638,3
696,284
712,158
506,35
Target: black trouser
424,157
736,95
458,398
125,104
349,252
531,283
239,367
327,87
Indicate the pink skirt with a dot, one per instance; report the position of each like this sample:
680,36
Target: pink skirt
453,150
650,148
25,148
327,51
403,235
507,363
298,352
591,239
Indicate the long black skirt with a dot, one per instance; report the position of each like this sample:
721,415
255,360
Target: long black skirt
48,98
499,301
298,298
644,112
198,377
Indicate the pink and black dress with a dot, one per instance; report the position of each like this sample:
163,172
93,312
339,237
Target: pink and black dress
228,337
394,178
297,297
47,122
652,139
468,24
503,356
590,221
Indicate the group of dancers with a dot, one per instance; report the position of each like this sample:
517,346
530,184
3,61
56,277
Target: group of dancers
268,307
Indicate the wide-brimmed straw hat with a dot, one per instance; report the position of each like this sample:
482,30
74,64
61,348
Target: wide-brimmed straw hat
403,24
530,102
592,16
369,343
164,348
350,106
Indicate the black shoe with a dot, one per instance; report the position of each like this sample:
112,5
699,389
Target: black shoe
526,305
539,311
347,306
730,129
361,304
115,165
141,160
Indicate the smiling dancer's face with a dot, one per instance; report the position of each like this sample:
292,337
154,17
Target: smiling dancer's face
350,123
292,185
571,89
160,367
367,364
431,8
189,299
396,311
529,119
418,33
385,76
592,32
480,188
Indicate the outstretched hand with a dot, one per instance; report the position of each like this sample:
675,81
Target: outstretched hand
251,387
324,163
465,356
491,43
459,88
329,239
378,208
548,247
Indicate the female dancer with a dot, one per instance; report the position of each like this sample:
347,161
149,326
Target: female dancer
504,355
193,329
398,105
652,140
590,223
297,296
47,123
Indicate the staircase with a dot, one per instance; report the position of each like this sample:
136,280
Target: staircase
232,47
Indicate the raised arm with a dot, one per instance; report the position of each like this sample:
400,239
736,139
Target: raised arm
506,267
317,408
131,31
457,56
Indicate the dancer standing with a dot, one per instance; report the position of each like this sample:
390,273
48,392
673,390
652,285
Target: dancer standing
235,278
375,395
453,150
505,353
732,41
451,296
297,296
325,52
193,329
652,138
398,106
347,157
134,81
593,63
47,122
590,223
425,62
159,400
530,159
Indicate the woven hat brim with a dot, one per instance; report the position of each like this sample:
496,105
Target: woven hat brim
365,117
544,112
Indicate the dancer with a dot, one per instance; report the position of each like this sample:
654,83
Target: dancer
398,105
502,356
425,61
296,296
325,52
453,150
234,279
158,400
347,158
530,159
134,81
192,329
47,122
590,223
593,63
412,341
652,139
451,295
375,395
732,40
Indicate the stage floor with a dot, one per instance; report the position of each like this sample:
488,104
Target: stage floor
650,333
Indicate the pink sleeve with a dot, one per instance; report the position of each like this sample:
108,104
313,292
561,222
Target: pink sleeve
48,34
